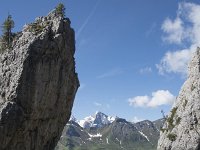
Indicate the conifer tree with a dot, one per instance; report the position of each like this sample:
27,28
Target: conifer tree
7,36
60,10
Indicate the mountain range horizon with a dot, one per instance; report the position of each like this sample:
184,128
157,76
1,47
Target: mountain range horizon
74,118
100,131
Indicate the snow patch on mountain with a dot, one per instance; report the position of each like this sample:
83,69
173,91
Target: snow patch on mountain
94,136
86,122
107,141
144,135
98,120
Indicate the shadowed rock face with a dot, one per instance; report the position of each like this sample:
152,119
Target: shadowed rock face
181,130
38,84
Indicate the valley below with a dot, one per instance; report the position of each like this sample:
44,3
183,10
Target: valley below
100,131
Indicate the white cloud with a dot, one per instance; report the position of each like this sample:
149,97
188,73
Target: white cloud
136,119
97,104
183,29
111,73
139,101
145,70
175,62
158,98
174,30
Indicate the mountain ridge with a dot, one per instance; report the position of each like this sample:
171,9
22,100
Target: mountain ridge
99,119
120,134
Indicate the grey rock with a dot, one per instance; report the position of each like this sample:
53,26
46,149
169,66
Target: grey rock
38,84
181,130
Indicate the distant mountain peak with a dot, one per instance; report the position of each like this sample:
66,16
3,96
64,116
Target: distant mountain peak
72,118
98,120
98,112
121,120
118,134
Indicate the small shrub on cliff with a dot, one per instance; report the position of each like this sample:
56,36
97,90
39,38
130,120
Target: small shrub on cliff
171,136
163,129
36,28
60,10
170,119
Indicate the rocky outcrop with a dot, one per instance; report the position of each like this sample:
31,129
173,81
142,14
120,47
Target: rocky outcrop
181,130
38,84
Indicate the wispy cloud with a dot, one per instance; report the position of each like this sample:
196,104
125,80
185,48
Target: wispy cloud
158,98
87,19
151,29
174,30
136,119
97,104
102,106
145,70
111,73
183,29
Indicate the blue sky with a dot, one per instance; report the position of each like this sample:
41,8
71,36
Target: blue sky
131,55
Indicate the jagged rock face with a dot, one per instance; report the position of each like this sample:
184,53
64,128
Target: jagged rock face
38,85
181,130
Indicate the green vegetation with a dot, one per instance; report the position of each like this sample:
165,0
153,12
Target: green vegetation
116,136
171,136
103,146
7,37
60,10
163,129
36,28
170,119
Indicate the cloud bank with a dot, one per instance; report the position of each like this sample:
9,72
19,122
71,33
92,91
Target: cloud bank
158,98
183,31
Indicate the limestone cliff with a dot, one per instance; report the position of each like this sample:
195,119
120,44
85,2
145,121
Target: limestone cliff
38,84
181,130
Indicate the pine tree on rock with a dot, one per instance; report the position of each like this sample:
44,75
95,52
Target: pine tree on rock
7,36
60,10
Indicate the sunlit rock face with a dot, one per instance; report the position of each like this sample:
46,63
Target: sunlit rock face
38,84
181,130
